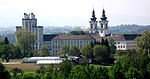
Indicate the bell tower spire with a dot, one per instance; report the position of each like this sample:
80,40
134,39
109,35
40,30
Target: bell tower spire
103,25
93,18
93,23
103,15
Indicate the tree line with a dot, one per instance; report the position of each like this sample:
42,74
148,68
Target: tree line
23,47
132,66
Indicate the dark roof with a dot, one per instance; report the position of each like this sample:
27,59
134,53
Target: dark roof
48,37
40,26
131,36
18,27
118,37
73,37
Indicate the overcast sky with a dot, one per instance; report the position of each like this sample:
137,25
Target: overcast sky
75,12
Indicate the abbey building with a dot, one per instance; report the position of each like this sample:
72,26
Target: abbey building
98,30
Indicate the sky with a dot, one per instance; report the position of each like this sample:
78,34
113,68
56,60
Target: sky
74,12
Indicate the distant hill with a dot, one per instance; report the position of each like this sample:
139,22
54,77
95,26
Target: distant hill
125,29
129,29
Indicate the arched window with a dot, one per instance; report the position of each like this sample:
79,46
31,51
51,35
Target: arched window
101,25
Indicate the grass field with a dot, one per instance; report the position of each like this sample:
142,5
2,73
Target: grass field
26,67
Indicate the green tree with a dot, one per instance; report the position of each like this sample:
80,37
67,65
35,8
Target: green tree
47,75
6,41
4,74
65,68
143,42
16,71
112,46
87,51
64,49
106,43
148,67
81,32
17,52
25,39
7,51
41,70
30,76
49,69
102,42
100,53
117,72
133,73
82,72
139,61
89,72
100,73
74,51
57,75
44,51
77,33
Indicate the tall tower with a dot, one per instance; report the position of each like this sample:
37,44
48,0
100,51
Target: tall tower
93,24
29,21
103,25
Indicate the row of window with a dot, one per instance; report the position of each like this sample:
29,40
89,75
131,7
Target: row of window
58,46
71,42
121,46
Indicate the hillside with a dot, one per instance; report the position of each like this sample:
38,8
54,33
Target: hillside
126,29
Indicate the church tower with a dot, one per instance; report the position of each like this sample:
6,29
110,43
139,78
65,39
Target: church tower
93,24
103,25
29,21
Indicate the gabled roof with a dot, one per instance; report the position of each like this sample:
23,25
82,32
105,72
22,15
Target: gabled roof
48,37
73,37
131,36
124,37
118,37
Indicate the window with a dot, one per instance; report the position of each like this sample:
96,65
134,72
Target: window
101,25
118,46
101,31
106,26
123,46
80,42
91,26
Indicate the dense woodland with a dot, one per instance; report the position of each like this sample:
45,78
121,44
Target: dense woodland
134,64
